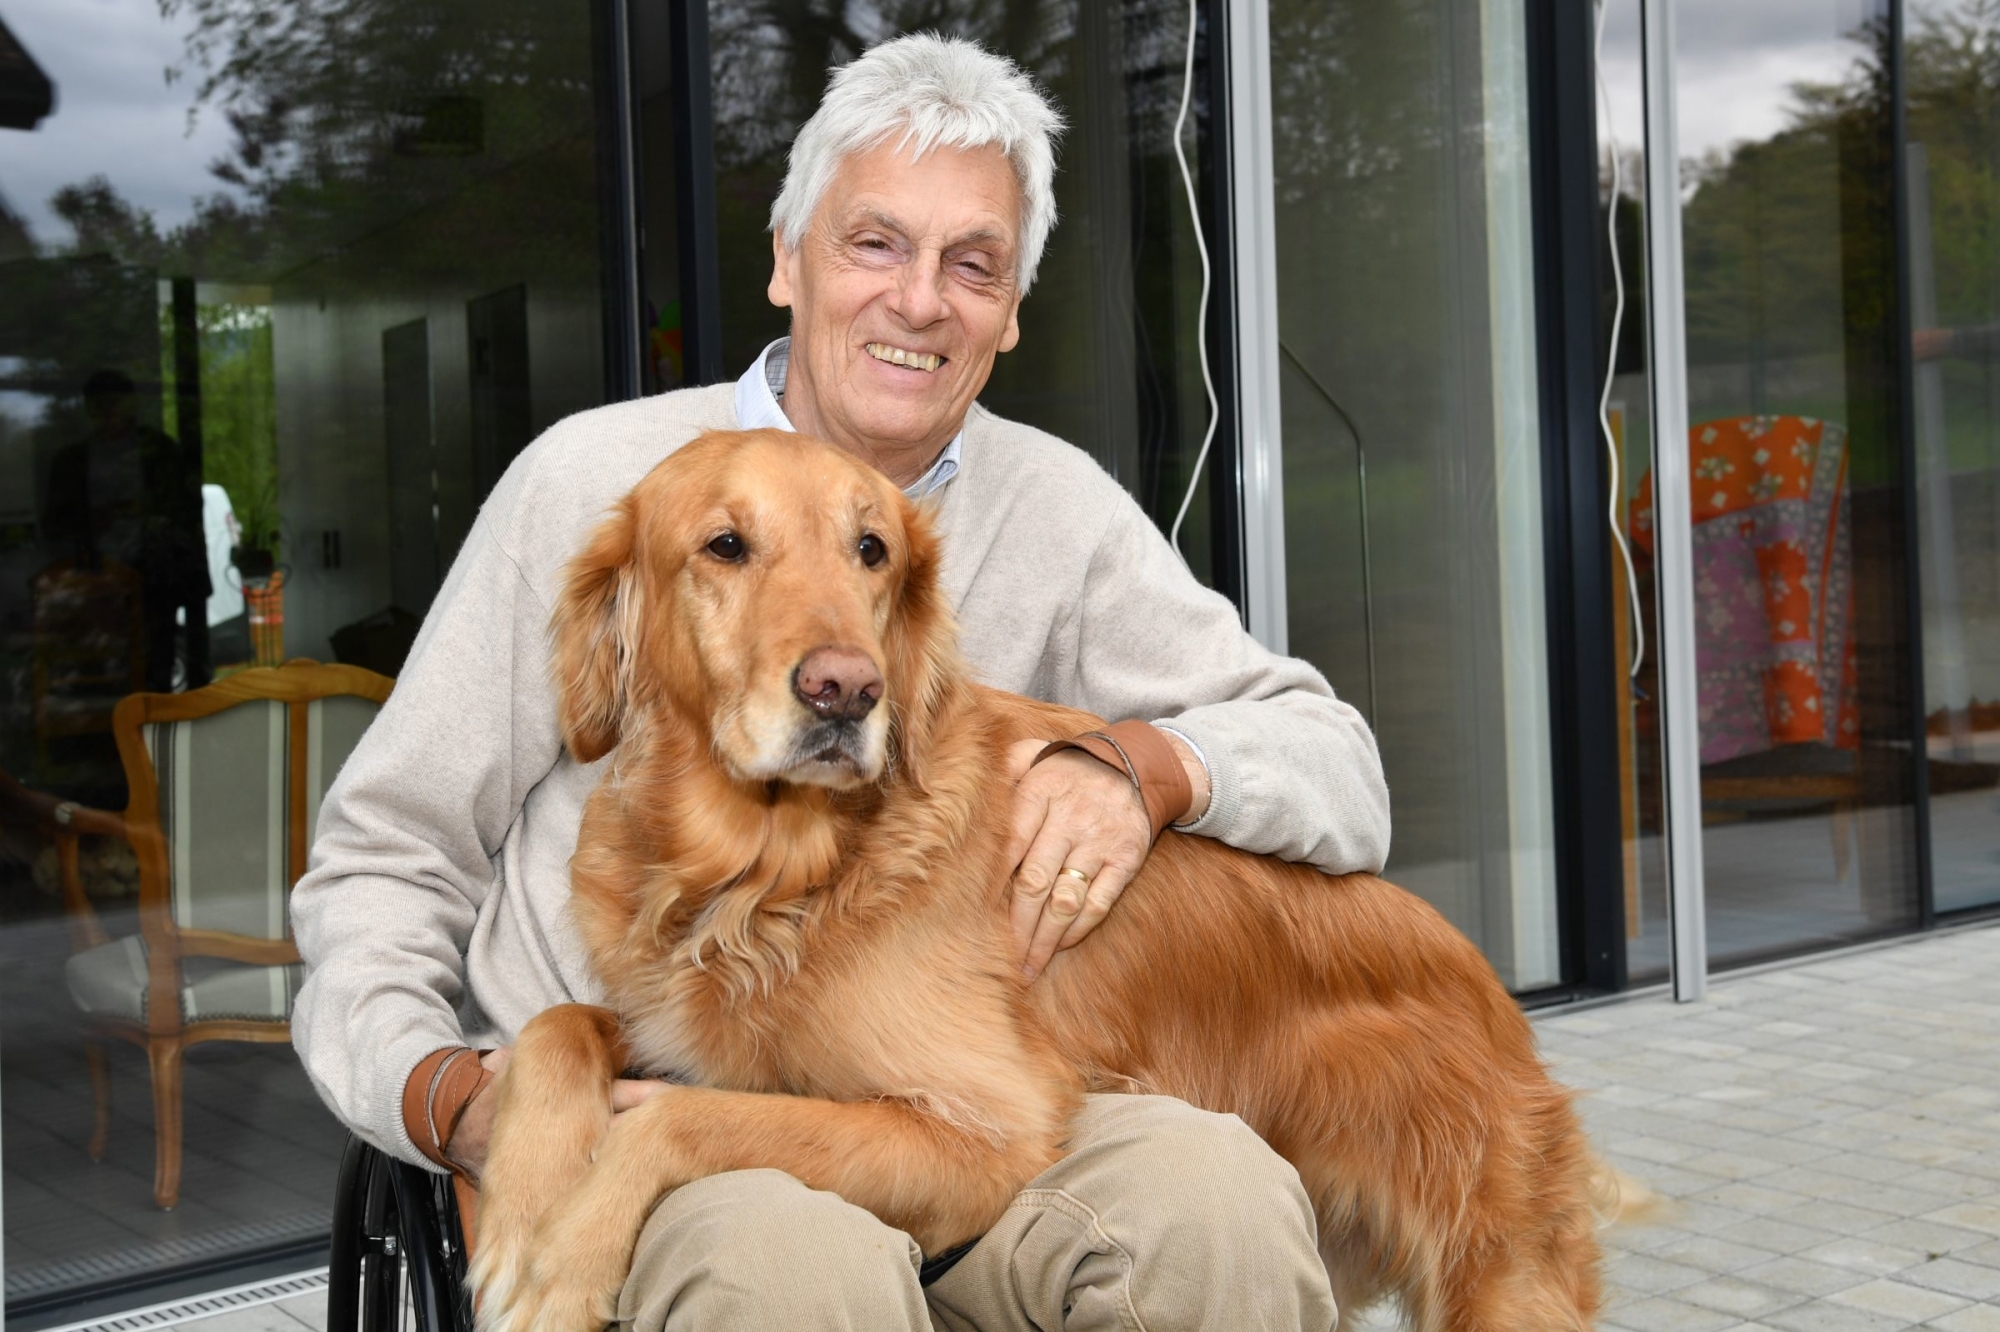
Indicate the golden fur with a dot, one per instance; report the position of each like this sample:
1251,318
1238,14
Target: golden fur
827,955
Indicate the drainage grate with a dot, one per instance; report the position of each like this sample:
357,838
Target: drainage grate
204,1306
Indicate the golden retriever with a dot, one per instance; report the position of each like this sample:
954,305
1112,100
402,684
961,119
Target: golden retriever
797,898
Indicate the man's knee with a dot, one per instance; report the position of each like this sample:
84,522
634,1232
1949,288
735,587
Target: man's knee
756,1248
1201,1223
1212,1167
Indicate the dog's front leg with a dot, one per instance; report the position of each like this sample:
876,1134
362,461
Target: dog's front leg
554,1107
940,1181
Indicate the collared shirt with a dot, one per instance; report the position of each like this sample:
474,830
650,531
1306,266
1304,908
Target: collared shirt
759,406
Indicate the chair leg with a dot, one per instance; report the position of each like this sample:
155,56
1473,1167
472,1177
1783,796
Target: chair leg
100,1095
165,1056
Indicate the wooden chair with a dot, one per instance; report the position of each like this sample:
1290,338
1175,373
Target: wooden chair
224,785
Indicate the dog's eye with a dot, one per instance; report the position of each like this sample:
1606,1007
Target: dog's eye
728,546
872,549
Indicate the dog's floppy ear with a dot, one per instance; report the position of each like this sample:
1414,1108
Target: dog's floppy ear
592,638
922,650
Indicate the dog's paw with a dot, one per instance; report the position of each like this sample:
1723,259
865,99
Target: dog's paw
494,1279
545,1300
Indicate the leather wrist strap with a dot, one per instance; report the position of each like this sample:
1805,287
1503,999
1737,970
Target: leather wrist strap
441,1086
1143,754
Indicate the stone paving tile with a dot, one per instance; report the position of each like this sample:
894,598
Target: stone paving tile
1827,1137
1973,1318
1838,1172
1900,1299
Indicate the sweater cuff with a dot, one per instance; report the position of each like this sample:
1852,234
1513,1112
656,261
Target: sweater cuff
1223,795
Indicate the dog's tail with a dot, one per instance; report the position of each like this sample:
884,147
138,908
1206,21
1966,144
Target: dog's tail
1620,1199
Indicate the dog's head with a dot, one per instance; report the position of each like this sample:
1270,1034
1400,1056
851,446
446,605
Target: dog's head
770,594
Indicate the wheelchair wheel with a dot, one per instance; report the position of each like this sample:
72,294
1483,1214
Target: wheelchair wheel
397,1261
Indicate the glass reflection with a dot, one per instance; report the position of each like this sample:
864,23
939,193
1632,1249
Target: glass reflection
285,289
1411,435
1953,126
1107,356
1796,450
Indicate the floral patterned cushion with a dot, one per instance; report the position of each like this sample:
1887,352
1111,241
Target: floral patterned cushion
1774,593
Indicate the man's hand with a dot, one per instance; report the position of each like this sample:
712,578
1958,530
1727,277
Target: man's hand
473,1136
1073,813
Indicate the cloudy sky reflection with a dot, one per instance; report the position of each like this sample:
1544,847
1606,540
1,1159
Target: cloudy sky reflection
1737,62
115,113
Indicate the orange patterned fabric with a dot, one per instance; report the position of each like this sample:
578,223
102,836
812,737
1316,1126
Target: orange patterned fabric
1773,591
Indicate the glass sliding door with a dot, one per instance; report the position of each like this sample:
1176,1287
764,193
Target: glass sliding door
1412,445
1796,452
283,288
1953,127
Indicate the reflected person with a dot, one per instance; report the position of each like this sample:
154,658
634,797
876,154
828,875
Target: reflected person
129,494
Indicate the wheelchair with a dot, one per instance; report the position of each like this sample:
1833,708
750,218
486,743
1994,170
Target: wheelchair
397,1260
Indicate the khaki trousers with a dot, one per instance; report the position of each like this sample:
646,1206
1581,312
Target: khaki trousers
1161,1217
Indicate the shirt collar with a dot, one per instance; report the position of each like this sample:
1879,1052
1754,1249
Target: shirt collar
758,407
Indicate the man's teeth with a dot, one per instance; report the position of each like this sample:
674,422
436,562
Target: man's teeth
926,361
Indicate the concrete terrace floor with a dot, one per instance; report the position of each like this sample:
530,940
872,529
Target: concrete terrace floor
1829,1133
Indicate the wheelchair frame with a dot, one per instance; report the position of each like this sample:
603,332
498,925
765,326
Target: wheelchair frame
392,1220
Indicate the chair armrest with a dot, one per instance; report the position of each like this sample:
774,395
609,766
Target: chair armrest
237,947
60,816
65,821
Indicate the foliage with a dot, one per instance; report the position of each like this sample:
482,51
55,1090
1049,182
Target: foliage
238,411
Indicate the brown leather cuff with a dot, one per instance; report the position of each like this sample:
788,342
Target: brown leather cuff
1144,754
441,1086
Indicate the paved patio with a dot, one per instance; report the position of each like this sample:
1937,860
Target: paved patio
1830,1133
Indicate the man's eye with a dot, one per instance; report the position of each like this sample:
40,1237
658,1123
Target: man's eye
728,546
872,549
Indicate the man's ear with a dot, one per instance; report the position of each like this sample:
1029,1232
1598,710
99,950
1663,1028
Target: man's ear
780,290
593,635
1010,338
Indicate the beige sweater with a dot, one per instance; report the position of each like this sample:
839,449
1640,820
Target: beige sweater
435,909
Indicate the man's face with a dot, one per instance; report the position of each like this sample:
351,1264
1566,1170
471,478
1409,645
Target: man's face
912,258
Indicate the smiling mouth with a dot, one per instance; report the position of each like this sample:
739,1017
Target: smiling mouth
924,361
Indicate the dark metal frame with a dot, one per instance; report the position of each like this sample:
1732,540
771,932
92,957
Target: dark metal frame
618,200
1562,119
694,193
1216,183
1906,424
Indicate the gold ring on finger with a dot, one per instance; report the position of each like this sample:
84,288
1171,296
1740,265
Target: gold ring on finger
1078,874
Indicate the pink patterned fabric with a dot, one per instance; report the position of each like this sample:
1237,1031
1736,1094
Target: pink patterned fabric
1774,595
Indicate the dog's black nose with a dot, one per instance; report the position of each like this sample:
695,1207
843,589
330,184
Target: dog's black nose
838,682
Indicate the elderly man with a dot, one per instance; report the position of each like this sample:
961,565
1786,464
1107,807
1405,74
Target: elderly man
434,917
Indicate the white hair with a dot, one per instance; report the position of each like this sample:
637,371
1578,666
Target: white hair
939,91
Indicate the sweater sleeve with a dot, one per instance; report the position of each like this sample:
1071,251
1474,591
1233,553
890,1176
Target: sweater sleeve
408,837
1293,770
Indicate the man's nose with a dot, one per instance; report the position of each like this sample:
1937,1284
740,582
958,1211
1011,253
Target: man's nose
919,299
838,682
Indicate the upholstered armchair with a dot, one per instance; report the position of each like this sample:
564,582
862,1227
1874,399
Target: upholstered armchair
224,788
